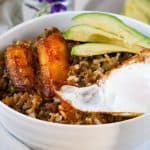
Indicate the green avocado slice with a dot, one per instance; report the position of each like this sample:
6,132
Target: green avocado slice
92,49
86,33
114,25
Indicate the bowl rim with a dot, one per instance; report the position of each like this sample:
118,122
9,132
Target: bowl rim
19,115
28,22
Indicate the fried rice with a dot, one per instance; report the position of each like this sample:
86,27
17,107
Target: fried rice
83,71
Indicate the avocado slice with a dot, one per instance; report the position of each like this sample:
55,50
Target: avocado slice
114,25
92,49
86,33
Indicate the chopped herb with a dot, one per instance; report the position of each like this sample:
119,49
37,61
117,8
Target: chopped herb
32,46
12,90
106,66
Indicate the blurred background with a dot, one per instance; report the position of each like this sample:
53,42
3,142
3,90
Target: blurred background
13,12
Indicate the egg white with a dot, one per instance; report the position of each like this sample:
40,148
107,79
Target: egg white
126,89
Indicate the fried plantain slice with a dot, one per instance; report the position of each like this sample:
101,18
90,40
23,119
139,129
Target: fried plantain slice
53,60
18,59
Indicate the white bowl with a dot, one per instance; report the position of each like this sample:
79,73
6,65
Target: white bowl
52,136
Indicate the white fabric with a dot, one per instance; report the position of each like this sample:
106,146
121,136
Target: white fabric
13,12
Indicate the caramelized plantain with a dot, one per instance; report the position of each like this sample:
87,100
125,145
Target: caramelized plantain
18,59
53,60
